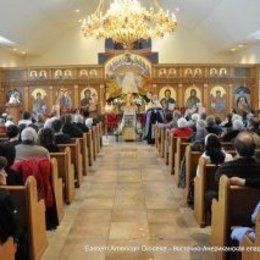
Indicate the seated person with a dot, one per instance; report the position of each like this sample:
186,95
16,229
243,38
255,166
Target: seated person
70,129
238,232
29,149
59,136
212,127
13,135
237,127
50,120
8,152
201,131
245,166
46,139
88,119
9,121
183,130
78,121
214,153
26,119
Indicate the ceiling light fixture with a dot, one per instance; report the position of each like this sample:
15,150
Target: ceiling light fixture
127,21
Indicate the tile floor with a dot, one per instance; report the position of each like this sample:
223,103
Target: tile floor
127,208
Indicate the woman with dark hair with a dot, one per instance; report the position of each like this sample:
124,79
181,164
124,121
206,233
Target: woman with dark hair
46,139
214,153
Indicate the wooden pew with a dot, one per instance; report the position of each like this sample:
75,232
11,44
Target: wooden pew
58,189
31,214
205,181
94,138
66,172
167,143
248,244
76,159
156,137
233,208
101,134
90,147
162,142
227,146
191,164
84,152
8,250
172,151
179,154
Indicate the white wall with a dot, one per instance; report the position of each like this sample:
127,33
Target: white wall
74,49
185,47
8,59
249,55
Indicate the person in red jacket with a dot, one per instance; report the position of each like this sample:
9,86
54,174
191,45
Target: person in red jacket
183,130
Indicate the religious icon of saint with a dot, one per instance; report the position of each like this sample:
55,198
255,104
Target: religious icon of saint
33,74
222,72
67,74
193,100
93,73
213,72
188,73
64,100
83,74
167,101
14,97
58,74
39,106
85,102
218,101
197,72
130,83
162,73
43,74
172,72
243,104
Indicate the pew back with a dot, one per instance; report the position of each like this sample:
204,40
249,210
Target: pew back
31,214
66,172
203,182
191,164
233,208
76,158
8,250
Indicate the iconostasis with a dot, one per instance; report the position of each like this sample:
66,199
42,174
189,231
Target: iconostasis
217,88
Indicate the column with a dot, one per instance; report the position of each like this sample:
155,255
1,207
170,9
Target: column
50,98
205,101
76,96
180,96
26,98
230,97
102,98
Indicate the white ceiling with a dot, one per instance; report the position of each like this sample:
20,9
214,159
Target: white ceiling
34,25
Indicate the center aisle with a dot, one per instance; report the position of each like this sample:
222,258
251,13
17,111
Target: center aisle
129,199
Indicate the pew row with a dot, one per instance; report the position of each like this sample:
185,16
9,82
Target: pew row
167,143
181,145
31,214
66,172
57,189
76,159
8,250
162,142
90,147
84,152
205,180
191,163
249,245
233,208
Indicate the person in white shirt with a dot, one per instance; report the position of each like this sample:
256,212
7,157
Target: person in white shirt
9,121
26,120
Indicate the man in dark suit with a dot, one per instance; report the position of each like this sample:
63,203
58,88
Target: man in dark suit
13,135
72,130
245,166
60,137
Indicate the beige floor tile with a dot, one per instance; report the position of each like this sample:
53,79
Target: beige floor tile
128,230
127,215
98,203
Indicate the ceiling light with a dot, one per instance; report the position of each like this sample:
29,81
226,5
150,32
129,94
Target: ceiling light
77,11
14,49
240,45
127,21
177,9
80,20
233,49
23,52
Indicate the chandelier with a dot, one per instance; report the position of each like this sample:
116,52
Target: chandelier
127,21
